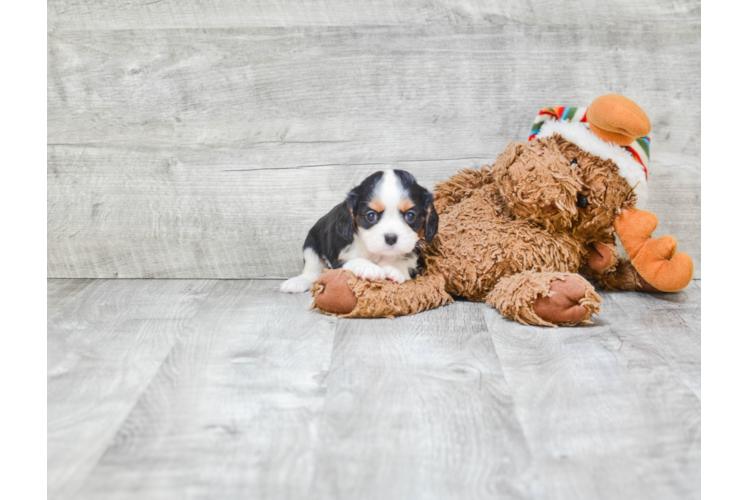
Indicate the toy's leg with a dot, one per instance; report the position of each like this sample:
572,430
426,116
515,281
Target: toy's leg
545,298
602,255
341,293
623,277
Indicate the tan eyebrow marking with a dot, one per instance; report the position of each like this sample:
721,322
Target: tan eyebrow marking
405,205
377,205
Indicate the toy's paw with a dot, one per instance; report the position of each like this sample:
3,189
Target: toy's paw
296,285
569,302
602,257
365,269
332,294
394,274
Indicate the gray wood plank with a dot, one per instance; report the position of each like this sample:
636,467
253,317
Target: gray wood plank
182,214
197,219
669,322
418,407
428,92
159,138
258,398
105,341
609,411
89,14
232,413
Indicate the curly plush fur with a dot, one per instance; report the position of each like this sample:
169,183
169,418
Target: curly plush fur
514,235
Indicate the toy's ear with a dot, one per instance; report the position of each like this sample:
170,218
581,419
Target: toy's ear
432,218
346,224
505,160
501,166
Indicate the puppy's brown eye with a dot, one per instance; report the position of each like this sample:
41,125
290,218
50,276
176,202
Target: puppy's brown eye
574,163
582,201
371,216
410,216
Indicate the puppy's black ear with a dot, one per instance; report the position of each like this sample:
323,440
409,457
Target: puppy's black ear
432,218
346,225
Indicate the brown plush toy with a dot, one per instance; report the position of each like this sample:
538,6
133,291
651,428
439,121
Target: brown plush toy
517,233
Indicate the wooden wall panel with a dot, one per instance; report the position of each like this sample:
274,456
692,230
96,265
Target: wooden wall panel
142,14
208,153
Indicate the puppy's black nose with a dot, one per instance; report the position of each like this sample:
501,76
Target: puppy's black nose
390,239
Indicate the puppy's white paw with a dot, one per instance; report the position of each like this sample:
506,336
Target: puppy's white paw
365,269
296,285
394,274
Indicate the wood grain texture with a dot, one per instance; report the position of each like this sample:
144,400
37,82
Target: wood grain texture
611,410
105,342
162,389
418,408
183,214
428,92
90,14
166,145
232,413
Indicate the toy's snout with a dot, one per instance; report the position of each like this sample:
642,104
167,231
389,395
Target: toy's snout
655,259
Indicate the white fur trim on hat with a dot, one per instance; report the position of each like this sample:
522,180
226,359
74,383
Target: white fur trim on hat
579,134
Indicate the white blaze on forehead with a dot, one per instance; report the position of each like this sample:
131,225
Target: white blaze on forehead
390,191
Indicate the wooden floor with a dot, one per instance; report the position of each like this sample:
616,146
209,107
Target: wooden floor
166,389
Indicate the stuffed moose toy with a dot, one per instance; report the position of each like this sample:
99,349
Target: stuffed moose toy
520,233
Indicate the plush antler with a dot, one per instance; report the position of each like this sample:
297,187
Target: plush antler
617,119
653,258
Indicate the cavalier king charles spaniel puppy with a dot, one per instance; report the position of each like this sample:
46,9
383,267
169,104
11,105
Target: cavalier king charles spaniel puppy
374,233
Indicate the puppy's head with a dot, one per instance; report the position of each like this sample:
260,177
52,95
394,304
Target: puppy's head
391,211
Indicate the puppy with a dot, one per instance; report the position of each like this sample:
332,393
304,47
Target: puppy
374,233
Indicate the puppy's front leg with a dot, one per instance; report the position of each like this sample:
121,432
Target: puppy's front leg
365,269
397,272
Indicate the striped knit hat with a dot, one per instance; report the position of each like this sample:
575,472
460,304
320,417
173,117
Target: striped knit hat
571,124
